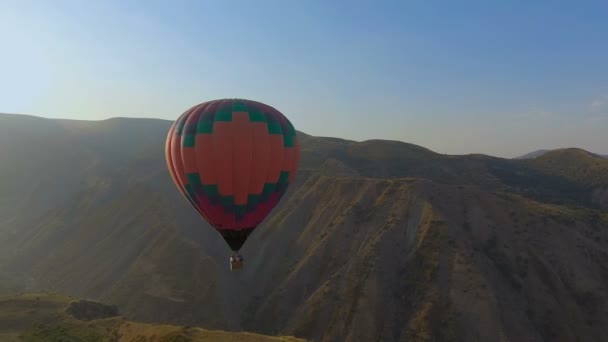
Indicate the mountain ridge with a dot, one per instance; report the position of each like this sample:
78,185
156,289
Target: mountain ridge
373,240
539,153
301,134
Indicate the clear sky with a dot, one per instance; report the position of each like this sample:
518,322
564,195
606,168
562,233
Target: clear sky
494,77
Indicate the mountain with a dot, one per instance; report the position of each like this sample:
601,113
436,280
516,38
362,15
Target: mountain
539,153
532,154
50,317
375,240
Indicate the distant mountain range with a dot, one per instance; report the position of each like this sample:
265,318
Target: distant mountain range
375,240
539,153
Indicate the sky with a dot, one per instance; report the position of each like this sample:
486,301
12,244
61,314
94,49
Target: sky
495,77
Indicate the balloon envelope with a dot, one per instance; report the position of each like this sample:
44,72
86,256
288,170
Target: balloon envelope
233,159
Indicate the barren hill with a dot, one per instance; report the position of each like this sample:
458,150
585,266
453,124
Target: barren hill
375,240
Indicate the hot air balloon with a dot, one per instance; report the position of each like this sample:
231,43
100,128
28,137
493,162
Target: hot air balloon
233,160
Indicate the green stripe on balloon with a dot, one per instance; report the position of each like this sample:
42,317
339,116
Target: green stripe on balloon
239,106
191,197
180,126
269,188
211,190
227,202
256,115
252,202
239,211
204,127
283,177
292,130
189,140
194,179
289,141
224,114
274,128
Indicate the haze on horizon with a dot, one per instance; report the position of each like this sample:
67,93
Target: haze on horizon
467,77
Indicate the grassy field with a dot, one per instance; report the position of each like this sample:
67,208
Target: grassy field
42,317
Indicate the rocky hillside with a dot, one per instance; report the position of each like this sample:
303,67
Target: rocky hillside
375,240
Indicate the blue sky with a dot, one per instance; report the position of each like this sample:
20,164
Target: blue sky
500,78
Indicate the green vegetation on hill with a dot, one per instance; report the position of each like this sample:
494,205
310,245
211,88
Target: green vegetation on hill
47,318
575,165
